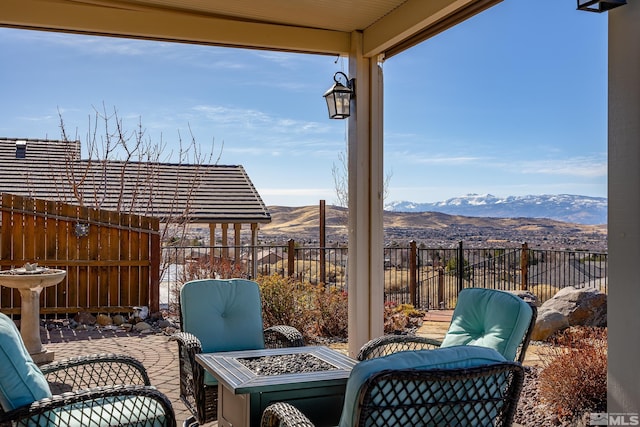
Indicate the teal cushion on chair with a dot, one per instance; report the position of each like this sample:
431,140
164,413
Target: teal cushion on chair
443,358
225,315
140,411
21,382
489,318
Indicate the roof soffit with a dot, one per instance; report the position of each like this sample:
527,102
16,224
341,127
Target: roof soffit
309,26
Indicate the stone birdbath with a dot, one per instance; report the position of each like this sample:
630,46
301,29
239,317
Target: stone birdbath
30,280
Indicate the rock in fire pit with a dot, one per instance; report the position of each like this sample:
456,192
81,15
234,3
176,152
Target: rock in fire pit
286,364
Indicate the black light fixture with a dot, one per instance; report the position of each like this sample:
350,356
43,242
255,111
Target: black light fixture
599,6
339,96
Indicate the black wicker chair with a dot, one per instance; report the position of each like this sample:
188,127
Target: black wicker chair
220,315
97,390
469,298
413,395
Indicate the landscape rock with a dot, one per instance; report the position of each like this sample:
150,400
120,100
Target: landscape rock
581,306
141,326
527,296
104,320
85,318
162,324
548,322
118,319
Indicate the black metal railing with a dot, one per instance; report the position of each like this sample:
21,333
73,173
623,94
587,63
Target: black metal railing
428,278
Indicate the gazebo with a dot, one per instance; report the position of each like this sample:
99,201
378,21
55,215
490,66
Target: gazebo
368,33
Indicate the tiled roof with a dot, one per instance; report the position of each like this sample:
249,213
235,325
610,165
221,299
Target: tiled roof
48,169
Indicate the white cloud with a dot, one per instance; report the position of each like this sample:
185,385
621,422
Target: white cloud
587,167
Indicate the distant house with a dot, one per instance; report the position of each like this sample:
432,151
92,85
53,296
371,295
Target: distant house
221,196
268,256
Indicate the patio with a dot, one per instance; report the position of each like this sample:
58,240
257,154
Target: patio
159,355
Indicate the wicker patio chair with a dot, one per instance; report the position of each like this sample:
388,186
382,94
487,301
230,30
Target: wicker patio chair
456,386
220,315
483,317
96,390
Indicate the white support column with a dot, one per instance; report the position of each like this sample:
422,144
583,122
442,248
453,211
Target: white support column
365,164
623,382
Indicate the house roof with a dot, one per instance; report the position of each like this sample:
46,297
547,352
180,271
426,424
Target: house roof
311,26
53,170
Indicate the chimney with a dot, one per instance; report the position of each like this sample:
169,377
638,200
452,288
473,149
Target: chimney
21,149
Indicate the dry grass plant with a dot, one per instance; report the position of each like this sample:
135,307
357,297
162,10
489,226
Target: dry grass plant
573,380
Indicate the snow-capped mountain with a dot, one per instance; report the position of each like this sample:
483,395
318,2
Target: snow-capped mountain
561,207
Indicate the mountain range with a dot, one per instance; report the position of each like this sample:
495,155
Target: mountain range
561,207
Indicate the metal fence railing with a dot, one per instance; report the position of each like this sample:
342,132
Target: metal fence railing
428,278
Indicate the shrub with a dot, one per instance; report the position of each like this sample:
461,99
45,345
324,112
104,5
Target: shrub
399,317
574,378
285,302
331,310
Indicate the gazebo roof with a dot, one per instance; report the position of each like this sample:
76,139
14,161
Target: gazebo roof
53,170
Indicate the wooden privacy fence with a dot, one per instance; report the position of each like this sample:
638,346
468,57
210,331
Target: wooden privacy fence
112,259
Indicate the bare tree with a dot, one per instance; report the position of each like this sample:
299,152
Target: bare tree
124,171
340,174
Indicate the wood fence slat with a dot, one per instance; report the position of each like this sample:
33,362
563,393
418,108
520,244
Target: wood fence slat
113,253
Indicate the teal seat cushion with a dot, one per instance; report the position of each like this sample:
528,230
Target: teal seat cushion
489,318
443,358
21,382
139,411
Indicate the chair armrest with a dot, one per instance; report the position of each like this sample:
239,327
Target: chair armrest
388,344
282,336
283,415
188,340
94,370
92,403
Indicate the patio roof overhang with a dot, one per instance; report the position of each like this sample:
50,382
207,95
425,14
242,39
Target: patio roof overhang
311,26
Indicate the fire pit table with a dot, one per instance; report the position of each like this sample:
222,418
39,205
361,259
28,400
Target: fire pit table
244,391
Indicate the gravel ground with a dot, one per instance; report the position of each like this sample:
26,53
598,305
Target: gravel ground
532,412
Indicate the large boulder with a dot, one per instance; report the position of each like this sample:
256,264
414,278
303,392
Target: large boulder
548,322
571,307
582,306
528,296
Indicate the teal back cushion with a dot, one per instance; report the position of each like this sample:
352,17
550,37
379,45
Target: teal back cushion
225,315
21,382
489,318
442,358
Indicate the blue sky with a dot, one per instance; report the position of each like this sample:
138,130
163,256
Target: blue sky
511,102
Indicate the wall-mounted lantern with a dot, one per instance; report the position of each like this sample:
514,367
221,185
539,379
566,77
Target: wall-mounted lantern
599,6
339,96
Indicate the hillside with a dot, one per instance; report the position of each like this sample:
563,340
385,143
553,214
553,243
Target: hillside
561,207
436,229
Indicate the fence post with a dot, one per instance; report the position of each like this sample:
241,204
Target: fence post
460,266
323,234
524,267
413,272
441,287
291,257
